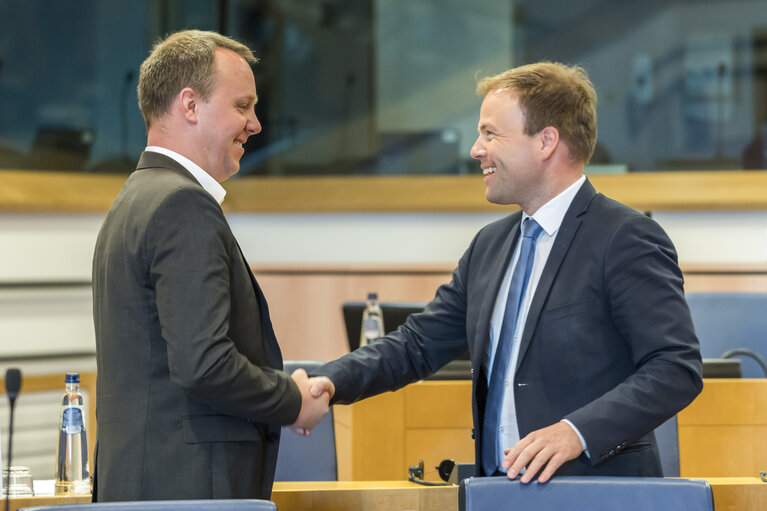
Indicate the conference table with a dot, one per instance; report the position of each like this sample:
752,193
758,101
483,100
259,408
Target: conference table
730,494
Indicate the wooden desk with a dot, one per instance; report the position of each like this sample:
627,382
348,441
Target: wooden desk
730,494
378,438
20,502
738,493
324,496
367,495
723,433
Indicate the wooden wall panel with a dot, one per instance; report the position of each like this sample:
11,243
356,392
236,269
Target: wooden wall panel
305,301
305,304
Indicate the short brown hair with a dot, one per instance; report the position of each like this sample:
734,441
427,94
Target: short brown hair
183,59
553,94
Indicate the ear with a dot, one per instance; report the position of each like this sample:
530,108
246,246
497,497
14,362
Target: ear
549,138
189,102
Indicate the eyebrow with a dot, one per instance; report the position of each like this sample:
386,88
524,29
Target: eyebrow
249,98
484,126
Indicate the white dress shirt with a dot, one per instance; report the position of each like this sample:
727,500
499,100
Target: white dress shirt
206,180
549,217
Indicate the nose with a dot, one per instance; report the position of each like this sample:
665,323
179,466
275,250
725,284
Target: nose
253,126
477,150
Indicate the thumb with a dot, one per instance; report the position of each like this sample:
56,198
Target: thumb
318,388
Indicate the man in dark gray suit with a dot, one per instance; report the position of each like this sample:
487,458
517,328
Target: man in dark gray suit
191,395
580,338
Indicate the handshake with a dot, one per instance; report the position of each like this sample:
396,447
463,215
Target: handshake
315,396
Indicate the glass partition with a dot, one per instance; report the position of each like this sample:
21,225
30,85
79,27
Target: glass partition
352,87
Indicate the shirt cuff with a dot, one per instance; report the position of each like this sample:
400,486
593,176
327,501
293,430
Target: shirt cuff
583,440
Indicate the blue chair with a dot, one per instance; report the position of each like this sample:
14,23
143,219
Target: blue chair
164,505
732,321
581,492
311,458
667,435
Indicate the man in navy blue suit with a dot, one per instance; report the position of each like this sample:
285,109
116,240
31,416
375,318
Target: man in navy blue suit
598,349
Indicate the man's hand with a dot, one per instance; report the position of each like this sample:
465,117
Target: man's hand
313,408
550,447
322,384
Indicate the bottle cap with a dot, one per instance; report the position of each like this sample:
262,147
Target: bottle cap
372,296
73,378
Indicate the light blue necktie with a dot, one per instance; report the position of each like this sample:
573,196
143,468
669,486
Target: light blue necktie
503,352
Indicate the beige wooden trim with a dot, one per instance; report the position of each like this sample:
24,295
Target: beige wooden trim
724,268
352,269
37,191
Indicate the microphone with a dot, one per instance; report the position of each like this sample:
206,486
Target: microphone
12,388
12,384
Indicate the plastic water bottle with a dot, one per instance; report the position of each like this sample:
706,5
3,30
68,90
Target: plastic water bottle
72,473
372,321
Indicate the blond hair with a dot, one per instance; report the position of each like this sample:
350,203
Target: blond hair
553,94
183,59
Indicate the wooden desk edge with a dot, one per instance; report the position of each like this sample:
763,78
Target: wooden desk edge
38,191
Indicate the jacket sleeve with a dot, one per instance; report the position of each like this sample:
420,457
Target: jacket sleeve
422,345
188,256
644,289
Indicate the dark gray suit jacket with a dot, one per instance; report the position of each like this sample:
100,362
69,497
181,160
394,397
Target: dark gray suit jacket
190,392
608,342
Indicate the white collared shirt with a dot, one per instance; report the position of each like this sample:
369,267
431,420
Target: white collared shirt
206,180
549,217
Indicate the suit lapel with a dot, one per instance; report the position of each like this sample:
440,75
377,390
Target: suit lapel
570,224
150,159
495,275
271,346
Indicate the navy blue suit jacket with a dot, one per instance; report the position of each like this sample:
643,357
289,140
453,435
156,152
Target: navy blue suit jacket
608,343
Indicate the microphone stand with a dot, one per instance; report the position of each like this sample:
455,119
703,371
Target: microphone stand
12,388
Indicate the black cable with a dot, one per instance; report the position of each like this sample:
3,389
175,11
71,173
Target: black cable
747,353
427,483
416,473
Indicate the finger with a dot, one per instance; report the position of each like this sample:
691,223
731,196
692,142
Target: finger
512,454
321,386
552,466
300,373
535,466
522,460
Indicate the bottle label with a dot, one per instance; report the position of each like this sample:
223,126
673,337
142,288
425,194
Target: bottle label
372,329
72,421
371,325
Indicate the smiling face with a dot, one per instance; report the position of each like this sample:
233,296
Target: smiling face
510,160
226,117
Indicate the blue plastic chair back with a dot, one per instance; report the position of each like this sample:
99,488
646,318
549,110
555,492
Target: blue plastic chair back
311,458
729,321
583,492
667,435
165,505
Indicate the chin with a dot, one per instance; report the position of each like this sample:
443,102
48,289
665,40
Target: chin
495,199
492,197
232,169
